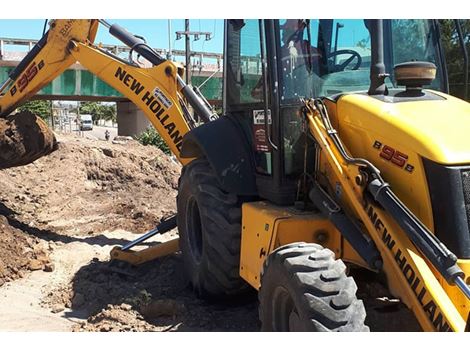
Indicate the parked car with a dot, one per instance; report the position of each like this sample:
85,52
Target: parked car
86,123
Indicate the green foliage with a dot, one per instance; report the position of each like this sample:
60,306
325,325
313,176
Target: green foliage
99,111
109,112
151,137
453,53
406,46
41,108
408,49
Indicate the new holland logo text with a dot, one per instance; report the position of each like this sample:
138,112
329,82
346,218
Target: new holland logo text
155,106
429,306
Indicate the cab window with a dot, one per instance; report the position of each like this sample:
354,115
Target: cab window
244,63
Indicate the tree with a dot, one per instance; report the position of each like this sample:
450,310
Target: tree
41,108
109,112
91,108
413,40
453,53
407,49
99,111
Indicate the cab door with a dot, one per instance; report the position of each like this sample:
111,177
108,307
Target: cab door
249,97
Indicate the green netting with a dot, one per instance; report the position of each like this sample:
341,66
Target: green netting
212,89
62,85
84,83
93,86
4,71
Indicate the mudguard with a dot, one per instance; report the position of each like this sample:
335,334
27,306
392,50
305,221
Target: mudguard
224,144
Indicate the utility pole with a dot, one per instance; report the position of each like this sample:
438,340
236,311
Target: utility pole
187,33
52,116
188,52
169,55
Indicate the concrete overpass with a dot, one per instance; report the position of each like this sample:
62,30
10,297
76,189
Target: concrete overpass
78,84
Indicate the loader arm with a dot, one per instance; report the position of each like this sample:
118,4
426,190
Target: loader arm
428,282
158,91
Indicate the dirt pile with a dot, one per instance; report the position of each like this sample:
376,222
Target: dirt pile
85,188
116,319
20,253
152,297
24,137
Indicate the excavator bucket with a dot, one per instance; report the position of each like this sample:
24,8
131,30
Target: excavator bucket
24,137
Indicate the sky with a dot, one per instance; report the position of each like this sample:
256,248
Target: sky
155,32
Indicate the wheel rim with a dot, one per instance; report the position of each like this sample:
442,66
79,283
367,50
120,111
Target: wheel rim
194,230
285,316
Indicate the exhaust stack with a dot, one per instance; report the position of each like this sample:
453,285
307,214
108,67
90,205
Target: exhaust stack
377,66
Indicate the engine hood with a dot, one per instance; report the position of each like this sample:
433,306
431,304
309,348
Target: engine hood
437,129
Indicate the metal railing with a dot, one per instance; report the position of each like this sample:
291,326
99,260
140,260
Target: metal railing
117,49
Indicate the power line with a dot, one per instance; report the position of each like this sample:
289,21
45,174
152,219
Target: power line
196,36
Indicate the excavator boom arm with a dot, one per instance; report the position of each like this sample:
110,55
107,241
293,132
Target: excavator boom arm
158,91
48,59
153,90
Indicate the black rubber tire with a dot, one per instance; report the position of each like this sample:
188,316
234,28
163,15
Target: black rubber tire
209,226
303,288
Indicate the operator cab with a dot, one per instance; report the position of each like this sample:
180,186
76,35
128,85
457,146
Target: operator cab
270,65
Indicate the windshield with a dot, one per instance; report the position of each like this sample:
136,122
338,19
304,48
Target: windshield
327,57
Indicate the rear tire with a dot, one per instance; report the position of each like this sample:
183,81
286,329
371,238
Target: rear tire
209,226
303,288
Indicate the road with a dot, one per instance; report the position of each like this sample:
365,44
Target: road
98,132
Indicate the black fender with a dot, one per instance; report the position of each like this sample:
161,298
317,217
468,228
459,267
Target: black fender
224,144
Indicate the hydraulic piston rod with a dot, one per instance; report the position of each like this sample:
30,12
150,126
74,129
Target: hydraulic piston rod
165,226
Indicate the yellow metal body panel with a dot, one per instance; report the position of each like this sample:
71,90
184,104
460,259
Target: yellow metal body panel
53,59
258,222
433,129
414,124
266,227
139,257
153,90
417,129
409,276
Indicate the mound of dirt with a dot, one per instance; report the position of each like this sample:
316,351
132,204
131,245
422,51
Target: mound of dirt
152,297
20,253
24,137
116,319
82,189
86,187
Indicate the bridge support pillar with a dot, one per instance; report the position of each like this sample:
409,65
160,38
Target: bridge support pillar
131,120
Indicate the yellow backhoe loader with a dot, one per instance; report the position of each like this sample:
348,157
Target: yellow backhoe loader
338,147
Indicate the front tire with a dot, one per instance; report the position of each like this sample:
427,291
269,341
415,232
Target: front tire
303,288
209,226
